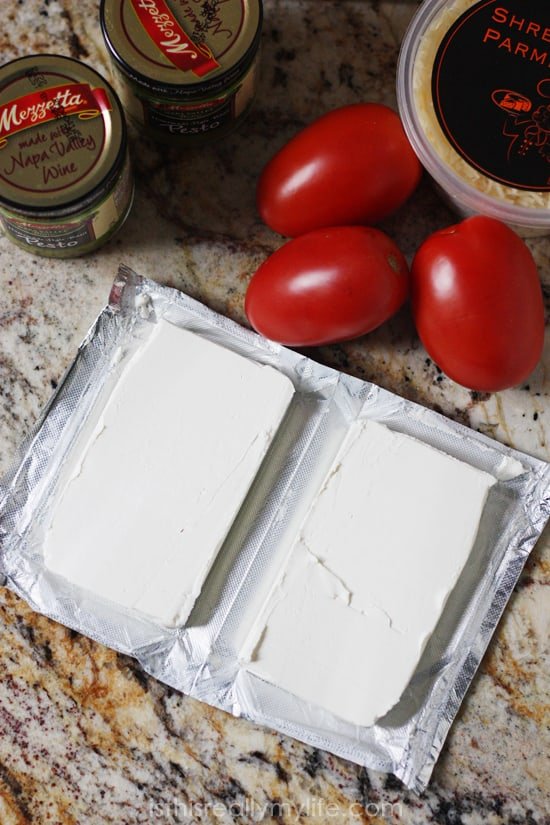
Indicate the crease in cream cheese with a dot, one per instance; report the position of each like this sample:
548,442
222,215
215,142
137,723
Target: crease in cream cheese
156,486
366,581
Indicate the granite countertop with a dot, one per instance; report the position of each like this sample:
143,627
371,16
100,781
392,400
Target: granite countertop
85,736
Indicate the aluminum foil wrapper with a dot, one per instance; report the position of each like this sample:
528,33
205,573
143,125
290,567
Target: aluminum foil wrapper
201,658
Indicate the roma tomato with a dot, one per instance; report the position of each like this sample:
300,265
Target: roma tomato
326,286
477,304
353,165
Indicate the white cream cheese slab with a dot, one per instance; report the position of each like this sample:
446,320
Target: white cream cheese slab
378,554
154,491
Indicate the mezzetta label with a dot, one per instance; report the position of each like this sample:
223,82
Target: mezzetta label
54,103
174,43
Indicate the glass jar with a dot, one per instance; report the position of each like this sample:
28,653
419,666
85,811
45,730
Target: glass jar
65,180
185,70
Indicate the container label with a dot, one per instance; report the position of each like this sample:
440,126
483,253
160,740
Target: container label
174,118
189,119
167,34
39,107
72,235
183,42
491,90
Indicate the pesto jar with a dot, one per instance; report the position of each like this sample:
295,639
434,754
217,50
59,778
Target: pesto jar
65,178
185,69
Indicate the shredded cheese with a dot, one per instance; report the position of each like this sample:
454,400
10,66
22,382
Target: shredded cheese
422,79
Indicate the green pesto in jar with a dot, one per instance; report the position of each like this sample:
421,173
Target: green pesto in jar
185,70
65,178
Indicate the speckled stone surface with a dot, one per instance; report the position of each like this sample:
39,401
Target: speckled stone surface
87,738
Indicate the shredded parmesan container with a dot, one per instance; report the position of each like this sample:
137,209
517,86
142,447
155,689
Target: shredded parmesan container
474,95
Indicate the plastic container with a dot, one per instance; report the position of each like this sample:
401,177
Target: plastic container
473,89
65,180
185,71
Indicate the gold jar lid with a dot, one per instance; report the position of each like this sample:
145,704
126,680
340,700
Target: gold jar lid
62,133
188,47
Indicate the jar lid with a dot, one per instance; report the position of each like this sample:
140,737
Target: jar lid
187,45
61,132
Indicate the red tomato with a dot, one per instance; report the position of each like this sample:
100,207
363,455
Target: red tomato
327,286
353,165
477,304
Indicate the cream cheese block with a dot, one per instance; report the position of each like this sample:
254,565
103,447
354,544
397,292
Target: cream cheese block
377,556
153,491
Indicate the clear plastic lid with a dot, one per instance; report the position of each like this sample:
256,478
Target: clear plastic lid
473,91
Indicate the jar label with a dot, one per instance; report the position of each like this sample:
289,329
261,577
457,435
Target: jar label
61,134
53,138
59,236
166,33
189,119
491,90
176,118
75,233
181,42
37,108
